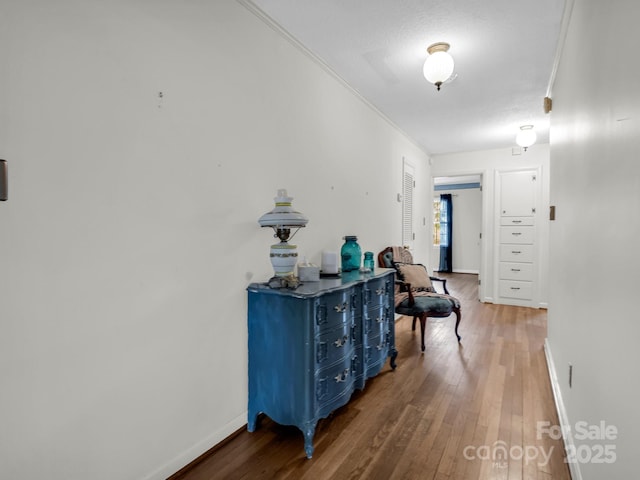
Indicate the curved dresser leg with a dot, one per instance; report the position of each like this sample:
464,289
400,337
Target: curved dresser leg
458,316
308,430
252,421
393,354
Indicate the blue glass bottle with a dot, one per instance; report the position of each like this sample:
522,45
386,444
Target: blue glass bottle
350,254
368,263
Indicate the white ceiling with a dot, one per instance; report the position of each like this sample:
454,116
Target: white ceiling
504,54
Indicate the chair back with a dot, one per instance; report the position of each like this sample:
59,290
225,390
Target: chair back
394,254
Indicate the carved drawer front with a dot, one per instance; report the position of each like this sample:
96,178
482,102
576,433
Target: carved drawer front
375,293
517,235
335,381
516,271
336,308
516,289
376,321
516,253
376,350
334,345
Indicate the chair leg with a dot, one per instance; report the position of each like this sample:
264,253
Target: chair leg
413,324
423,327
458,317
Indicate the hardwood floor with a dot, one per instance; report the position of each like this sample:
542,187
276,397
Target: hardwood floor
467,411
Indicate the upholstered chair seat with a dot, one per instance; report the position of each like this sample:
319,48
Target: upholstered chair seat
439,305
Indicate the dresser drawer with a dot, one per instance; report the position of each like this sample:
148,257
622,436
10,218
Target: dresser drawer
516,271
516,221
516,289
334,345
376,319
376,292
521,235
376,353
516,253
337,308
334,382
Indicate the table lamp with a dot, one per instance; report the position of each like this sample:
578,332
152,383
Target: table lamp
283,218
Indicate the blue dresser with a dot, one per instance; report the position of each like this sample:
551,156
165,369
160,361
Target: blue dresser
310,348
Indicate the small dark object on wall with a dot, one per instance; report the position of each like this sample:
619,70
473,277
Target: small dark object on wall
3,179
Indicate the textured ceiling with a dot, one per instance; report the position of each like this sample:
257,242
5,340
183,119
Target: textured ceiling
504,54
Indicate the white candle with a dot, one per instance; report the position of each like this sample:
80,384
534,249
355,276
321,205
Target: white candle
329,262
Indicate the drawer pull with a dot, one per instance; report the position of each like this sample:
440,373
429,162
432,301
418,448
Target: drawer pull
341,341
380,291
342,377
379,319
516,221
516,233
515,269
515,288
380,346
516,252
341,308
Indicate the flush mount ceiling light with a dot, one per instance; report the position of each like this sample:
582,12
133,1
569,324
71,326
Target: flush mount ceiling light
438,66
526,136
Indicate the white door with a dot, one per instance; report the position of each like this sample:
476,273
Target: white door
517,193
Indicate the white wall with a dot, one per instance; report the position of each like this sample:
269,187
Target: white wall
130,233
467,225
487,163
595,185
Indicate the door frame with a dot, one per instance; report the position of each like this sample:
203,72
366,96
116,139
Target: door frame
485,223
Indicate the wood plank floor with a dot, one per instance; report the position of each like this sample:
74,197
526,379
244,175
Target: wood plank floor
458,411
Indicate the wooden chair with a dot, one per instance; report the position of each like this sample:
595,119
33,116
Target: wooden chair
415,295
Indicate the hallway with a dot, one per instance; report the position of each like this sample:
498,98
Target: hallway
468,411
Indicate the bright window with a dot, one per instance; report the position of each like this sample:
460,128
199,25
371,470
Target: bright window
436,222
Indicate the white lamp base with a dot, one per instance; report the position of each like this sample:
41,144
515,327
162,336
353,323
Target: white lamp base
284,258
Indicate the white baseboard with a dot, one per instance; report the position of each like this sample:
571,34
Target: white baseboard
574,468
189,455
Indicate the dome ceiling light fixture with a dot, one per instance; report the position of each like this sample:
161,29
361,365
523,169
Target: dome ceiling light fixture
438,67
526,136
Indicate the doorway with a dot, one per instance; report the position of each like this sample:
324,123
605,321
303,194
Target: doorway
467,222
